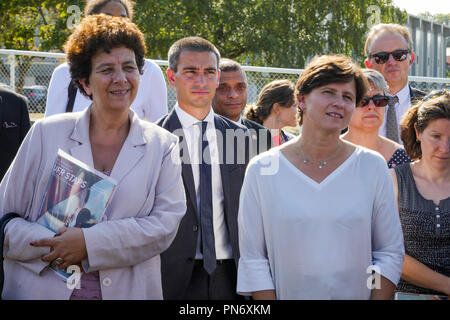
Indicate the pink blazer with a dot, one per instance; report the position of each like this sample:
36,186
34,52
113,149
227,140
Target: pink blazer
140,222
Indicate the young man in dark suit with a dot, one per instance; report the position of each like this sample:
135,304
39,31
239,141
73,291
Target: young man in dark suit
14,125
202,261
230,100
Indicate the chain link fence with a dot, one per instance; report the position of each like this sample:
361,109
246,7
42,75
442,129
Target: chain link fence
29,73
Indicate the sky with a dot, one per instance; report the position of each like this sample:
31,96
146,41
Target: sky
419,6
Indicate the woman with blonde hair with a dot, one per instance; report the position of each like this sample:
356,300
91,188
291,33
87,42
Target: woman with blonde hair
276,108
423,194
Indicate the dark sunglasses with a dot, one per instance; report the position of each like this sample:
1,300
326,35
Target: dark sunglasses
436,93
382,57
378,101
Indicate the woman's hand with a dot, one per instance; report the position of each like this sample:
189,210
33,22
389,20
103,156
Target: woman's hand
68,244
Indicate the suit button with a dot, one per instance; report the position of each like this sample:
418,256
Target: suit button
195,228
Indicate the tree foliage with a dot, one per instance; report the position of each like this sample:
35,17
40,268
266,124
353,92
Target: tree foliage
278,33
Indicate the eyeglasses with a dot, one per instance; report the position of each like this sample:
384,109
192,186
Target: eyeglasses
383,56
378,101
436,93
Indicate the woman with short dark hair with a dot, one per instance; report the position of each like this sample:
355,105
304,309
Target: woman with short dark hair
318,214
119,256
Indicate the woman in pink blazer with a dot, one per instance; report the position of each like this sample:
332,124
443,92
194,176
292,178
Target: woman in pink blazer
120,255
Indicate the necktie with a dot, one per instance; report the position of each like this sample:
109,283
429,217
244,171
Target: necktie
206,213
391,120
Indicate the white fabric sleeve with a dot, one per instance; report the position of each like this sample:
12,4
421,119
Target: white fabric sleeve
154,84
254,270
17,191
57,96
130,241
388,250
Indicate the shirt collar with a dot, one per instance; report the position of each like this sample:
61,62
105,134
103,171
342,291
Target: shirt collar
239,121
187,120
403,95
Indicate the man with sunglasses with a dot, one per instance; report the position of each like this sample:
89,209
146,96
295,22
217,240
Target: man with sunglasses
389,50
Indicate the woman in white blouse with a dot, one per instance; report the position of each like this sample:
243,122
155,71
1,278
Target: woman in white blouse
151,100
318,214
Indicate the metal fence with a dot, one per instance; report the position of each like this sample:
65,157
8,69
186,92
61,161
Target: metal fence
29,73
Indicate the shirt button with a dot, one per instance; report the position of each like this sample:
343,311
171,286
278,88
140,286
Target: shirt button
438,225
195,228
438,216
437,208
107,282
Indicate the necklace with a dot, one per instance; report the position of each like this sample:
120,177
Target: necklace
320,164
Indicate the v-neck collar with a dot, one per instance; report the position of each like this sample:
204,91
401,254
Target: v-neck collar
330,177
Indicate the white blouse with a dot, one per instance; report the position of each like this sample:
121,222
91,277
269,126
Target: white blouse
150,103
310,240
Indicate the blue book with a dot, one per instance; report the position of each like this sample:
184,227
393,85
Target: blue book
76,197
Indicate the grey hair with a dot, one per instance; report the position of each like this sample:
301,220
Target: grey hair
376,79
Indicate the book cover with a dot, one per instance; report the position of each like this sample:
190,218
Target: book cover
417,296
76,196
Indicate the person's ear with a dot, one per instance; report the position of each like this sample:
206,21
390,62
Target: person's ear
85,84
418,134
276,108
413,57
171,77
218,79
301,102
368,64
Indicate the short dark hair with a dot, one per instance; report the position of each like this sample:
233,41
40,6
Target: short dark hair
101,32
195,44
226,65
419,117
326,69
96,6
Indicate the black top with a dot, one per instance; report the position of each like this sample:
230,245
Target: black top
426,228
14,125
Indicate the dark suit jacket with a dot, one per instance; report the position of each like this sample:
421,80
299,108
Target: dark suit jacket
260,137
14,125
416,95
177,262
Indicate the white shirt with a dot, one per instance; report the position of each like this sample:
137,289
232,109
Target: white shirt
150,103
404,103
192,132
310,240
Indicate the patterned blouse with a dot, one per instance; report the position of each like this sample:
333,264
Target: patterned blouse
399,157
426,229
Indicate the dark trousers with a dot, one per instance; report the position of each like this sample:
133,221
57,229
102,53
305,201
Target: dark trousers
220,285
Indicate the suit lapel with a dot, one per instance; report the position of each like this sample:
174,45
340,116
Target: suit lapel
173,125
131,152
129,155
82,149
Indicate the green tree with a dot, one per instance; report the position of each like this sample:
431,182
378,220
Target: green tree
32,25
278,33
